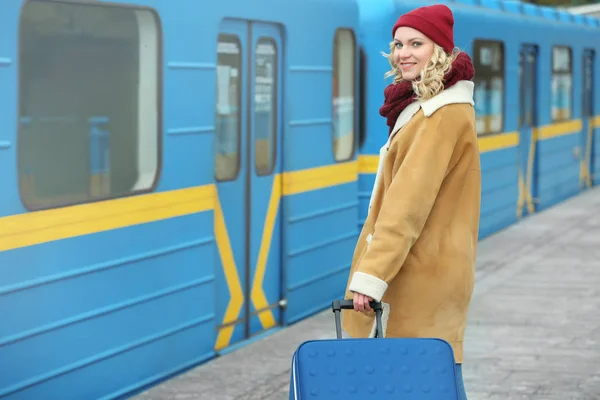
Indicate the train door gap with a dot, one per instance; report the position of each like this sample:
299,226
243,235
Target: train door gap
528,123
587,117
248,165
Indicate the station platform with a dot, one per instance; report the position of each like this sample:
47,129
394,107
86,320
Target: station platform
533,330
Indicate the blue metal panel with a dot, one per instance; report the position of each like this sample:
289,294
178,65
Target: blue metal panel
496,221
512,6
500,159
469,2
133,300
589,20
376,22
579,19
233,193
499,185
500,178
565,16
365,187
309,112
320,239
549,12
262,184
558,169
188,91
558,188
558,159
493,4
9,31
531,9
499,192
308,144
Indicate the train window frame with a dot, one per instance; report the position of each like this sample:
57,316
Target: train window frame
156,79
241,84
557,72
484,74
590,105
274,104
363,101
528,117
334,97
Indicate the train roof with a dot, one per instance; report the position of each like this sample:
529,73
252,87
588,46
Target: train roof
533,10
526,10
591,10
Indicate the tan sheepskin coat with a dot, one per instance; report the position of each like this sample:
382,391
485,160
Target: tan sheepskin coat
417,248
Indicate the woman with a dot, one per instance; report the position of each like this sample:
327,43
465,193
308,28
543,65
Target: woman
417,249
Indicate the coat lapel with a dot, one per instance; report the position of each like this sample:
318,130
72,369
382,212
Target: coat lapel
461,92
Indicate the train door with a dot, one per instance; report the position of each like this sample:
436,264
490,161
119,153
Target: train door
527,131
587,116
248,180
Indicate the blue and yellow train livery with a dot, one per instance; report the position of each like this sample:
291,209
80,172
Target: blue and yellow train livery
179,178
537,116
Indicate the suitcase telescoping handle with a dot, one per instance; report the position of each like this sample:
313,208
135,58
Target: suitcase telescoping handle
338,305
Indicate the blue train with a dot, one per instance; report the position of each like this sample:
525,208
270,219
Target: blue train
179,178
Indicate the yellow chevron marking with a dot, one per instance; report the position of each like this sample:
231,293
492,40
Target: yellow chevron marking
236,300
259,299
529,176
585,177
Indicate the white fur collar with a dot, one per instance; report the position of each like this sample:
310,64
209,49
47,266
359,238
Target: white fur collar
460,92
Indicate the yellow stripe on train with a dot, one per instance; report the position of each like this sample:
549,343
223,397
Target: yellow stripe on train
367,163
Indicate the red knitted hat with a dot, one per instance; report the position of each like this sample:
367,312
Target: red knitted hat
436,22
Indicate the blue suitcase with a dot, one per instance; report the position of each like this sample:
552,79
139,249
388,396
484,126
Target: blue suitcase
377,368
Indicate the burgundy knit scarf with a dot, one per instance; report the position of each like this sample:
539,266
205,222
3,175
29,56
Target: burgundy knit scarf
399,95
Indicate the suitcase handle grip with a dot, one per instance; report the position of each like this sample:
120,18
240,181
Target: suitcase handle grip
338,305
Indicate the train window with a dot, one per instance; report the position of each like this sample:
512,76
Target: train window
588,83
228,122
89,113
265,106
525,112
362,133
344,94
527,86
562,83
489,86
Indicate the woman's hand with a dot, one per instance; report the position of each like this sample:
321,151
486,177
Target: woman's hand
361,302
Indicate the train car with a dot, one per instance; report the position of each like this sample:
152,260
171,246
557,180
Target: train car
177,177
537,115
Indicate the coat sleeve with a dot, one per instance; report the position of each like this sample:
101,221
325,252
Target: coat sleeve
406,204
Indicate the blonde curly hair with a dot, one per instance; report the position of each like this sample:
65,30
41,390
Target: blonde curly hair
430,81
